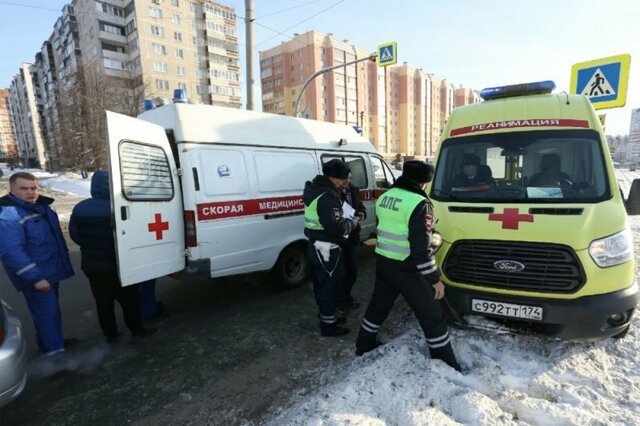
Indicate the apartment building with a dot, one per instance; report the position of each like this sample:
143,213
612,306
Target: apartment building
162,45
24,110
56,66
401,110
339,96
465,96
111,54
8,142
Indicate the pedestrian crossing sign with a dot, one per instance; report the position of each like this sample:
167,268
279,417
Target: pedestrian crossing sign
604,81
387,54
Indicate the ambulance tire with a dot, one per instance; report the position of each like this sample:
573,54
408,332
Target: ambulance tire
291,269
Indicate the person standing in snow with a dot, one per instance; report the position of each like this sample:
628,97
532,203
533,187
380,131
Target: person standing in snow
35,255
405,264
327,231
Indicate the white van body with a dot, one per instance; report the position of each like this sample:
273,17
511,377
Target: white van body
217,191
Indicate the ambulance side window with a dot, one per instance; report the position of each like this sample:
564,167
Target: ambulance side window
381,173
357,166
146,173
358,171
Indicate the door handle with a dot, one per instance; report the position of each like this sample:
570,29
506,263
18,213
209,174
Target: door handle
124,210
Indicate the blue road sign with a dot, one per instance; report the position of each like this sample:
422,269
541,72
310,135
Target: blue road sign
603,81
600,83
387,54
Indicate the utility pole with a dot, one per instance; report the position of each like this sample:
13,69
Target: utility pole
248,24
371,57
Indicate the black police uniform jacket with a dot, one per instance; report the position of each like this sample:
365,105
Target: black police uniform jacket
419,239
329,207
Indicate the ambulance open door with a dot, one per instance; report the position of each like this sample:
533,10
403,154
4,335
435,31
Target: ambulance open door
146,200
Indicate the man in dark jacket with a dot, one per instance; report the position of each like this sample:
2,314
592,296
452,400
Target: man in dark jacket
405,264
350,195
90,227
35,256
327,229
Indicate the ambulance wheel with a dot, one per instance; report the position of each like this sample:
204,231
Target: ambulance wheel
291,269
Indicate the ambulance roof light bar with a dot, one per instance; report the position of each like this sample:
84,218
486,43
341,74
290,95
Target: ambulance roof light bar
535,88
179,96
149,104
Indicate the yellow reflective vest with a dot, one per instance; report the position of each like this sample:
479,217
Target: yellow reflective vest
393,210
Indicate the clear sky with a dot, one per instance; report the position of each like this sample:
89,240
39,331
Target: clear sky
477,43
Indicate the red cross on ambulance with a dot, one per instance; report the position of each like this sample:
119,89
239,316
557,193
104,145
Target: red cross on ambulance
158,226
511,218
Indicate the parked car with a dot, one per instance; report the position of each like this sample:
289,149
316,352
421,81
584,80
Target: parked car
13,356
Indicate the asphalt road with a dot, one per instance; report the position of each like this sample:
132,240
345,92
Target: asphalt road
232,351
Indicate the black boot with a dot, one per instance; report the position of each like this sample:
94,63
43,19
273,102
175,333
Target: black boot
366,342
445,353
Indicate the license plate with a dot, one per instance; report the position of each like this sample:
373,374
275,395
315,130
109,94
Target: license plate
510,310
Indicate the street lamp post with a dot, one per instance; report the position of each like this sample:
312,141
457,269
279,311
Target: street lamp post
296,113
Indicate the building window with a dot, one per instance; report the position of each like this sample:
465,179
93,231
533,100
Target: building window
182,86
180,53
110,9
162,84
155,12
160,49
199,73
160,66
175,3
157,31
113,64
180,70
175,18
177,36
131,26
109,28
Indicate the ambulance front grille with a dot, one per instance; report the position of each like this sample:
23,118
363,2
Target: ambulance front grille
548,268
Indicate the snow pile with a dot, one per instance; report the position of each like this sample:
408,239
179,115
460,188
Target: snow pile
71,183
511,380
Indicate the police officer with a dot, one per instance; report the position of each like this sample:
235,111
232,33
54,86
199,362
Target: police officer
327,230
405,264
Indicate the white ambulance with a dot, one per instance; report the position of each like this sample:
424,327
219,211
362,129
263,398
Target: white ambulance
215,191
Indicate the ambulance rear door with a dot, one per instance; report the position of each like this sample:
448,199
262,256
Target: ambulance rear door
146,200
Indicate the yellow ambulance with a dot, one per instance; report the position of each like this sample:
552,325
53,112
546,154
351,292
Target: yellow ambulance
532,222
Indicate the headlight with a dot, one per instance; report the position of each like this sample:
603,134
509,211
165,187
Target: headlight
436,241
613,250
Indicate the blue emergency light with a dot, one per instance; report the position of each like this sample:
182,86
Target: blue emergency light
535,88
179,96
148,104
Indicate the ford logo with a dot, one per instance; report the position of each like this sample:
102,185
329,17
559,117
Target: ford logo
508,266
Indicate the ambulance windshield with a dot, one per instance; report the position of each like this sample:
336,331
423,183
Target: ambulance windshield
559,166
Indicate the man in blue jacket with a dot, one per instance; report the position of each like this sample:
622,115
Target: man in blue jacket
90,228
35,256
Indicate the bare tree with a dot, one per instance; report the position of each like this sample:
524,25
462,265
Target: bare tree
83,119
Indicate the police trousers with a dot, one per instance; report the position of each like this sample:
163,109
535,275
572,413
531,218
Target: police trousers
327,276
419,294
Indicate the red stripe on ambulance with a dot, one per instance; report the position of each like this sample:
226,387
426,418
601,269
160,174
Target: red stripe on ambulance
538,122
239,208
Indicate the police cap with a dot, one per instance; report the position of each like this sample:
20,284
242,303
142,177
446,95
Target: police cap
417,171
336,169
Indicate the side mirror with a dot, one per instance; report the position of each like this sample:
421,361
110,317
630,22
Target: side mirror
633,202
